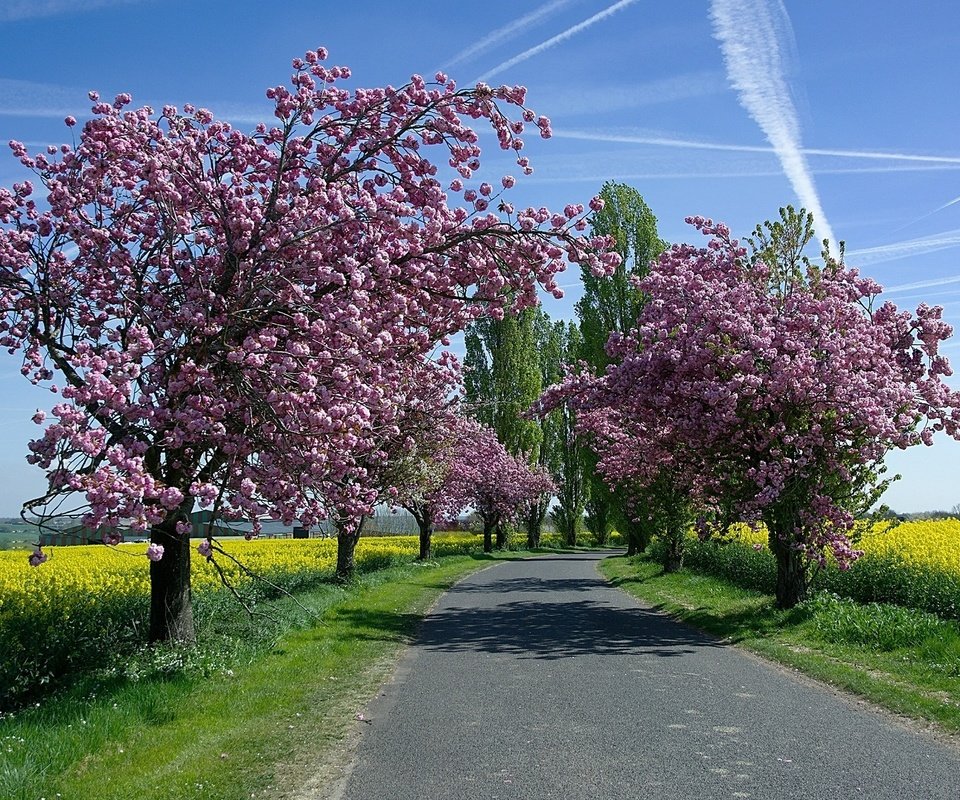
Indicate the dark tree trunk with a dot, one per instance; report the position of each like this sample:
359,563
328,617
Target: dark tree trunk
501,535
638,536
570,534
792,571
425,522
348,534
489,523
171,609
535,525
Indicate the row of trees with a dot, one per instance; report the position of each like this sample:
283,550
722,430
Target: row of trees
510,362
735,382
755,385
247,322
250,323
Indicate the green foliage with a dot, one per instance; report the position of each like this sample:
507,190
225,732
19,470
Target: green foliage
871,579
503,378
885,628
613,304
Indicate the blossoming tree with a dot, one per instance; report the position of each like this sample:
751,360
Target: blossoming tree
772,389
496,484
224,314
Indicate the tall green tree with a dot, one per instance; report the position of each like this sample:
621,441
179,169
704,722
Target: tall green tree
569,473
551,356
502,379
608,305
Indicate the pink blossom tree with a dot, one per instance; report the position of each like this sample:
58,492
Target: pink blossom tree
225,315
773,389
496,484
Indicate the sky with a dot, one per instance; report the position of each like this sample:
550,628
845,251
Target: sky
729,109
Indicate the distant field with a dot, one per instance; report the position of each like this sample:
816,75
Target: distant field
16,535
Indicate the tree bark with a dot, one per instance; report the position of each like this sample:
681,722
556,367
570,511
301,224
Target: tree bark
535,525
425,522
171,608
501,535
348,535
792,571
489,523
570,534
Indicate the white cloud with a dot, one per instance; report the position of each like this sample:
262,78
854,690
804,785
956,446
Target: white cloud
16,10
750,34
555,40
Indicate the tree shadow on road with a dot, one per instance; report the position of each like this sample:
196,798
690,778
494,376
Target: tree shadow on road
559,630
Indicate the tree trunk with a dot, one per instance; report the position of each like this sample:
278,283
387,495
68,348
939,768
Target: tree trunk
489,523
638,535
570,534
501,535
348,534
792,570
535,525
171,609
425,521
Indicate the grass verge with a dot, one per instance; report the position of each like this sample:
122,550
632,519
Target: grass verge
245,718
904,660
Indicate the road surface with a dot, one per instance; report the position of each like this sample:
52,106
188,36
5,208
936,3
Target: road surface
535,679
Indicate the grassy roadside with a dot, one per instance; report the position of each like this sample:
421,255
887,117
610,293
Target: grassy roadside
904,660
253,725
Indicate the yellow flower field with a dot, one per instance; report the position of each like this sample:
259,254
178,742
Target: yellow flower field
924,544
74,576
915,564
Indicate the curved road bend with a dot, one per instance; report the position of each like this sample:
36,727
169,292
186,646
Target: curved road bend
535,680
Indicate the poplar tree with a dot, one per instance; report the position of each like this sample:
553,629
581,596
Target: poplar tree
502,379
612,305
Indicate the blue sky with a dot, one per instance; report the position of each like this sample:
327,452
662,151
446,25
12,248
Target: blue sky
729,109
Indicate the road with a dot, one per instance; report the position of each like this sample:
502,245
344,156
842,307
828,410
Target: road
535,679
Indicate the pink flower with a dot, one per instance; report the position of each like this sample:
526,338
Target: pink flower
37,557
205,548
70,121
155,552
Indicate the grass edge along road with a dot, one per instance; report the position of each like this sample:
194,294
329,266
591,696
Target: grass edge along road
259,729
902,660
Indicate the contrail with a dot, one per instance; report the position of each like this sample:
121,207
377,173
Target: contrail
911,247
906,287
749,39
928,214
560,37
507,32
694,144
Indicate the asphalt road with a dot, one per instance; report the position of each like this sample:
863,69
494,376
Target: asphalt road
535,679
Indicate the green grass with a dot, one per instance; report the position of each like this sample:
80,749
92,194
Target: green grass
252,712
905,660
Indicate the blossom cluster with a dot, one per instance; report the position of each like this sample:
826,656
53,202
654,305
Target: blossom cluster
237,320
766,395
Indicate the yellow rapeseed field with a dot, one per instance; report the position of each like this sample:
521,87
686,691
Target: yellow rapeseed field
75,576
924,544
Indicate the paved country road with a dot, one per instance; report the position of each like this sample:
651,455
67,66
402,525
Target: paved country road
535,679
